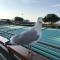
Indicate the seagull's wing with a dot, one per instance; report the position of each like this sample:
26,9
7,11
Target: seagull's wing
25,38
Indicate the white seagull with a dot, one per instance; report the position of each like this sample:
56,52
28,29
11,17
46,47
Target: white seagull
30,36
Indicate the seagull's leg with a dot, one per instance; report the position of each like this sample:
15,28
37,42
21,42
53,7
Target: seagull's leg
30,52
30,49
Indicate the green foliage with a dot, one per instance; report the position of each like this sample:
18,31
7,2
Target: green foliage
18,19
8,21
51,18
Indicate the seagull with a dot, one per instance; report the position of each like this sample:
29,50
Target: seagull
29,36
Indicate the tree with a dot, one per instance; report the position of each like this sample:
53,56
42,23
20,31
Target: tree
51,18
19,19
8,21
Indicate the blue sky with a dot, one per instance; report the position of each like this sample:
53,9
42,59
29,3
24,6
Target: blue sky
28,9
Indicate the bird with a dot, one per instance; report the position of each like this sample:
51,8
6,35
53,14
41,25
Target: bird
29,36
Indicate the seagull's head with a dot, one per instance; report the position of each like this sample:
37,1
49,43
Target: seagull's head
38,24
39,20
